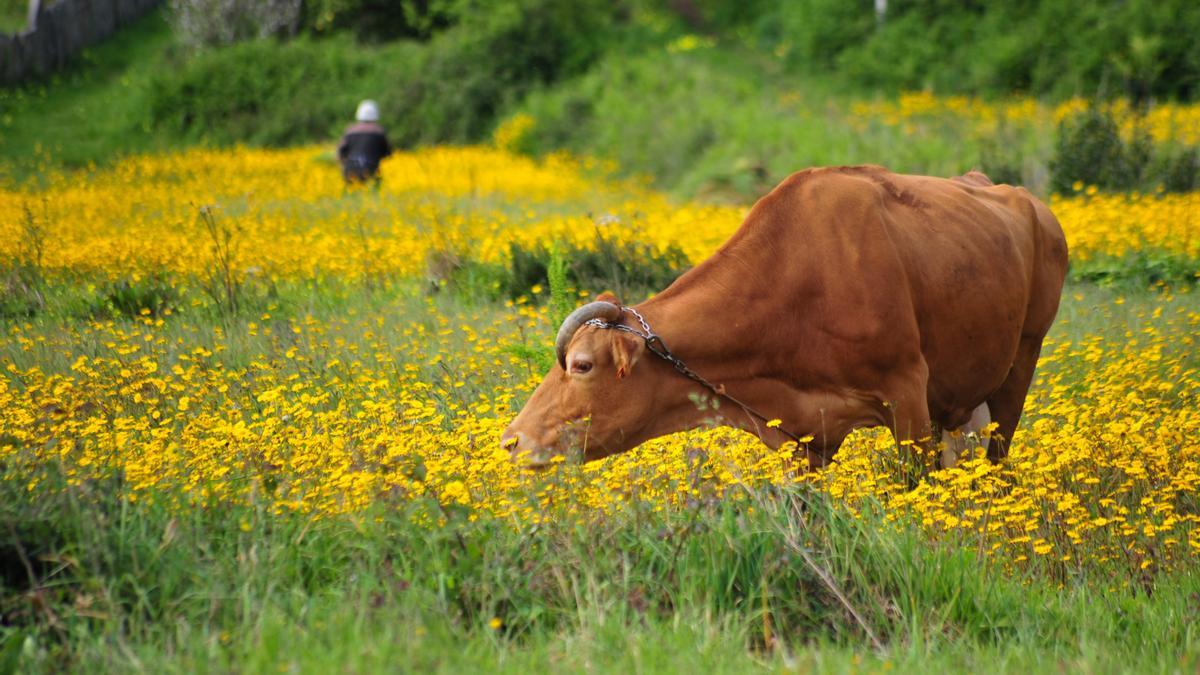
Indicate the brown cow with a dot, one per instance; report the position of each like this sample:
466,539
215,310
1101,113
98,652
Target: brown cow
849,297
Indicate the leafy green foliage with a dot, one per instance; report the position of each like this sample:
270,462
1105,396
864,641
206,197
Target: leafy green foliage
269,92
724,121
561,302
375,20
204,23
1176,169
498,52
630,269
1138,269
449,89
13,15
713,123
155,296
1139,49
1092,150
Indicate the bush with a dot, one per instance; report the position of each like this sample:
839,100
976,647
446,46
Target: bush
452,88
632,270
1137,270
21,293
709,123
380,19
271,93
1059,47
156,295
471,72
1177,169
1092,150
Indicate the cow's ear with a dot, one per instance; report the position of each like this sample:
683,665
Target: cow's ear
626,350
608,296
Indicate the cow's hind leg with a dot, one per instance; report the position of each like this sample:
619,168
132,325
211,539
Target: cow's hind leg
958,442
1007,402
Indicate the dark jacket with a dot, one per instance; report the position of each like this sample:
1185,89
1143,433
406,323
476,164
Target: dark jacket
361,149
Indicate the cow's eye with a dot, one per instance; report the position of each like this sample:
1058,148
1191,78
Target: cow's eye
580,367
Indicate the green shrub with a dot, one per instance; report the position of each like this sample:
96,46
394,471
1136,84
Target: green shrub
470,73
374,20
21,293
1177,169
1138,269
1002,157
452,88
632,270
13,15
1059,47
272,93
156,295
1091,150
709,123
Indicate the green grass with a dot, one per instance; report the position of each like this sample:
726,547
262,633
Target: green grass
713,586
13,15
795,582
92,112
724,123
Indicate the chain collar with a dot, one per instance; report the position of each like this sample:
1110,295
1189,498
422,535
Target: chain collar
659,348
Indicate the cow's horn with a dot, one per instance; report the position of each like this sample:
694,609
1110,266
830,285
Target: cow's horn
593,310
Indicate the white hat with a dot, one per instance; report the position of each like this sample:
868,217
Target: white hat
367,111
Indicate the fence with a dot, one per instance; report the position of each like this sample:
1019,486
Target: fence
60,30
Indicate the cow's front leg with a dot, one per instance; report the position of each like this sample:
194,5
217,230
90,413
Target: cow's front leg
908,408
907,411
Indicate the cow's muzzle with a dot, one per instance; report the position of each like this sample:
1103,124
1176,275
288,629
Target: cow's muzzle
523,452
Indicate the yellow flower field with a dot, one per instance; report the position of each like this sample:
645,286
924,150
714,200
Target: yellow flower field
325,411
295,221
1164,121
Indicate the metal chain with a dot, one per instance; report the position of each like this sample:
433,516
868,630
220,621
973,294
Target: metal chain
659,348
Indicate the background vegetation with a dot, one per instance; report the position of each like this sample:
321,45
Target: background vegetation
13,15
712,98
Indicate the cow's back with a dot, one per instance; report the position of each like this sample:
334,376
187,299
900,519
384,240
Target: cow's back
958,269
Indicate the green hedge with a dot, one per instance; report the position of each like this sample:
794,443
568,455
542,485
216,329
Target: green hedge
1136,48
273,93
451,88
469,74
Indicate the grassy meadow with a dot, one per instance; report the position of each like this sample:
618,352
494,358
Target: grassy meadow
249,421
249,418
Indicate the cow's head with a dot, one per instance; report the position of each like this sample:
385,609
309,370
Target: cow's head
594,399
